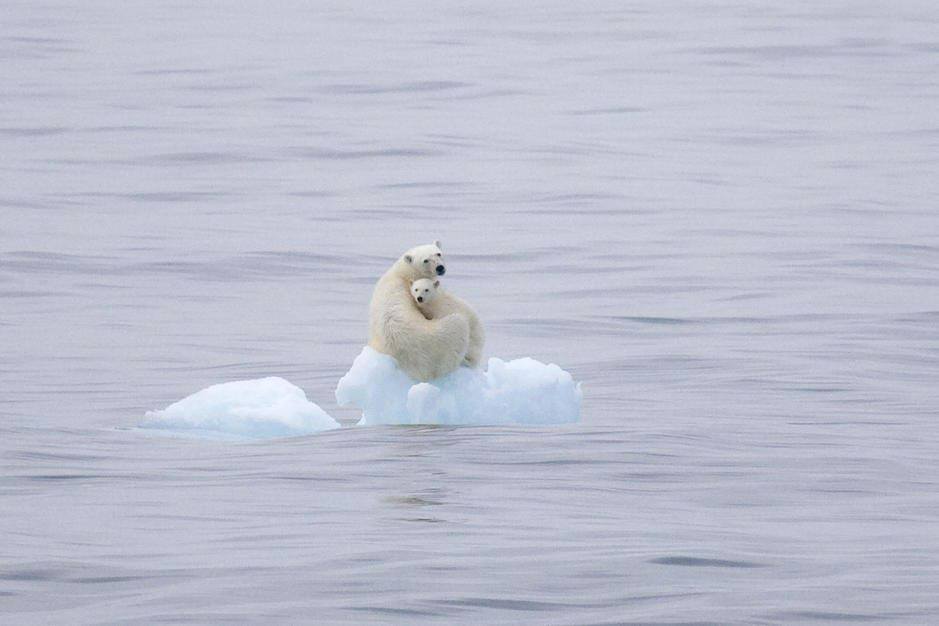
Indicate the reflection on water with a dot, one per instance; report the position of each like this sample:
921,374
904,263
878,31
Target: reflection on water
720,217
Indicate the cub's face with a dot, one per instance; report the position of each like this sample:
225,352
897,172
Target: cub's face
424,290
427,261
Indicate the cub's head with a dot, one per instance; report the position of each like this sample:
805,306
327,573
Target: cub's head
424,290
426,261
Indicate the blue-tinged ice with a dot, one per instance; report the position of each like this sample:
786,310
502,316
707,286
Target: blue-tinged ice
521,391
262,408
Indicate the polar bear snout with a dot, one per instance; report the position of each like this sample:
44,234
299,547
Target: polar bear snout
420,298
441,270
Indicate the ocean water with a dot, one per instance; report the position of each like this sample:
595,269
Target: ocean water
721,217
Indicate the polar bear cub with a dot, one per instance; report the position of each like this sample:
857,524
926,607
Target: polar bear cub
435,303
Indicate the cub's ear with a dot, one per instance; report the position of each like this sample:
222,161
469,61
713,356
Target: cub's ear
408,258
437,243
436,283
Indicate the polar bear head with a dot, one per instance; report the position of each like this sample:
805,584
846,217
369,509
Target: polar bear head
425,261
424,291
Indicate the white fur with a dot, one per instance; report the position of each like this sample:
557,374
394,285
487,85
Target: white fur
425,349
436,303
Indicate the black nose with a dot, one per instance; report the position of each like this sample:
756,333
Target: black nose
441,270
420,298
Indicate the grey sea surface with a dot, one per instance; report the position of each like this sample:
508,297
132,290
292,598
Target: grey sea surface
720,216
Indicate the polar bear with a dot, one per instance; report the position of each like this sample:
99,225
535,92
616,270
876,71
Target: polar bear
435,303
425,349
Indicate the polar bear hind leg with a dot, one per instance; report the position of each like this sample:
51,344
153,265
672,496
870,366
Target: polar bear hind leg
432,349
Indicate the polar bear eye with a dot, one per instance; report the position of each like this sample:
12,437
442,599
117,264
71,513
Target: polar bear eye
426,260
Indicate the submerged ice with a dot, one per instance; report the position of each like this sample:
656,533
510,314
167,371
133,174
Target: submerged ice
521,391
251,409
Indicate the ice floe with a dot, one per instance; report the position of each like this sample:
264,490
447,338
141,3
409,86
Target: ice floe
521,391
262,408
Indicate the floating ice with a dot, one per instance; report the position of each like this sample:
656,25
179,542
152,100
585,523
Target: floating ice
523,391
246,409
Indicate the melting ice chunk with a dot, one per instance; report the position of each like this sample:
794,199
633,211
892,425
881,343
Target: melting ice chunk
246,409
523,391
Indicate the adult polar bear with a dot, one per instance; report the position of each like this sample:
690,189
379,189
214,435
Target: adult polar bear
425,349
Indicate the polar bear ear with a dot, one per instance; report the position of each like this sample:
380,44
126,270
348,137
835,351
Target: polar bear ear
408,258
437,243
